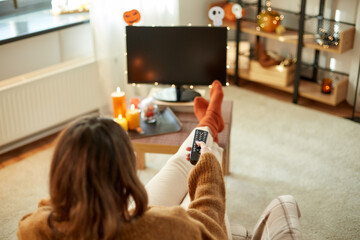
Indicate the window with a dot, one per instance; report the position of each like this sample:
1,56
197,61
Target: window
9,7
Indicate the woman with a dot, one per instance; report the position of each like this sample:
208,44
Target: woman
93,182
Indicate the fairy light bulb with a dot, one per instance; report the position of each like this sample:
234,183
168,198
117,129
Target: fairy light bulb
227,84
268,5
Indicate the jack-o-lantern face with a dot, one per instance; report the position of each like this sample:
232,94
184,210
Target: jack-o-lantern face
132,17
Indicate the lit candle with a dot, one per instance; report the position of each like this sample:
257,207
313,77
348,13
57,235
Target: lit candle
133,117
326,85
122,122
119,103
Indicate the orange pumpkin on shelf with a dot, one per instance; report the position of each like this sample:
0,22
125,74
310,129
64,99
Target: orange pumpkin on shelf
268,21
132,16
229,15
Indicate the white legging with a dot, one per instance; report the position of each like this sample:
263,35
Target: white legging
169,187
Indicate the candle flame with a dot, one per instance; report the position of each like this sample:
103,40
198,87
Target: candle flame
120,117
118,89
132,107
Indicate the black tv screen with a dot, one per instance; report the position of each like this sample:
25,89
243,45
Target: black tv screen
176,55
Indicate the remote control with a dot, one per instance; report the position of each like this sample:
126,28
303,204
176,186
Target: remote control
200,135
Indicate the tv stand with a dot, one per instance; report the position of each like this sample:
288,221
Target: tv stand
176,94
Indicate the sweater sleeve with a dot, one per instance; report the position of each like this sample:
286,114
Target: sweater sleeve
207,194
33,226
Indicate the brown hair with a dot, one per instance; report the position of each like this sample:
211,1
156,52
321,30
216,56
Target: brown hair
92,180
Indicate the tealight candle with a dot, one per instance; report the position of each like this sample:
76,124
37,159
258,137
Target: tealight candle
122,122
326,85
119,103
133,117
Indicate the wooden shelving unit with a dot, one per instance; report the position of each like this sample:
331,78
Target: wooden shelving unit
301,87
307,89
291,36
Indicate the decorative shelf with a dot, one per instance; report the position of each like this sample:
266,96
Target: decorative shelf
290,36
307,89
335,37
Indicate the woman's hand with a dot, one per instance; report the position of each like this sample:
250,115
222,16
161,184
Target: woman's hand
202,145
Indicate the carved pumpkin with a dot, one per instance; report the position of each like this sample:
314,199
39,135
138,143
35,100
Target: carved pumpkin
229,15
268,20
132,17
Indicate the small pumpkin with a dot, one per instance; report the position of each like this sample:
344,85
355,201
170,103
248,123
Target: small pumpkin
229,15
268,21
132,16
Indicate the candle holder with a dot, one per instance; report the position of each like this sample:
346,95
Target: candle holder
326,85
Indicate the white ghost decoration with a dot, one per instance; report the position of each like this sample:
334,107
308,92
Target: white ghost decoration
237,10
216,14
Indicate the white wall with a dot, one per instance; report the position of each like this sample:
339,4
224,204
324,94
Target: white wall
44,50
194,12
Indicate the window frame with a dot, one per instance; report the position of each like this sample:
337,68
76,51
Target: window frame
10,7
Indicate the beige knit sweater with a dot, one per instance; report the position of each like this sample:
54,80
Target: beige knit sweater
204,218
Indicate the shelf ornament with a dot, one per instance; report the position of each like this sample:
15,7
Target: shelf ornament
326,85
326,39
268,20
132,16
237,10
233,11
216,14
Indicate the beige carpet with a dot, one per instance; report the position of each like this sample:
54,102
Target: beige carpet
276,148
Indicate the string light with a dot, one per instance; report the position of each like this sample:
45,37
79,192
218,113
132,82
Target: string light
228,28
156,83
227,47
227,66
209,25
173,85
133,84
210,86
227,84
125,72
191,86
189,24
125,54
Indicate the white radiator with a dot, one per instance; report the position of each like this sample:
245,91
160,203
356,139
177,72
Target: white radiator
37,102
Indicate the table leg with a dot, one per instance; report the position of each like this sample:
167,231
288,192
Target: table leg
140,160
225,163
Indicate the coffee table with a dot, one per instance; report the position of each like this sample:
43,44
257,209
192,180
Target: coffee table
170,143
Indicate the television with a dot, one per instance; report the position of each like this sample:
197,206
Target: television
179,56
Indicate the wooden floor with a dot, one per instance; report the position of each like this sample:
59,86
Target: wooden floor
342,110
